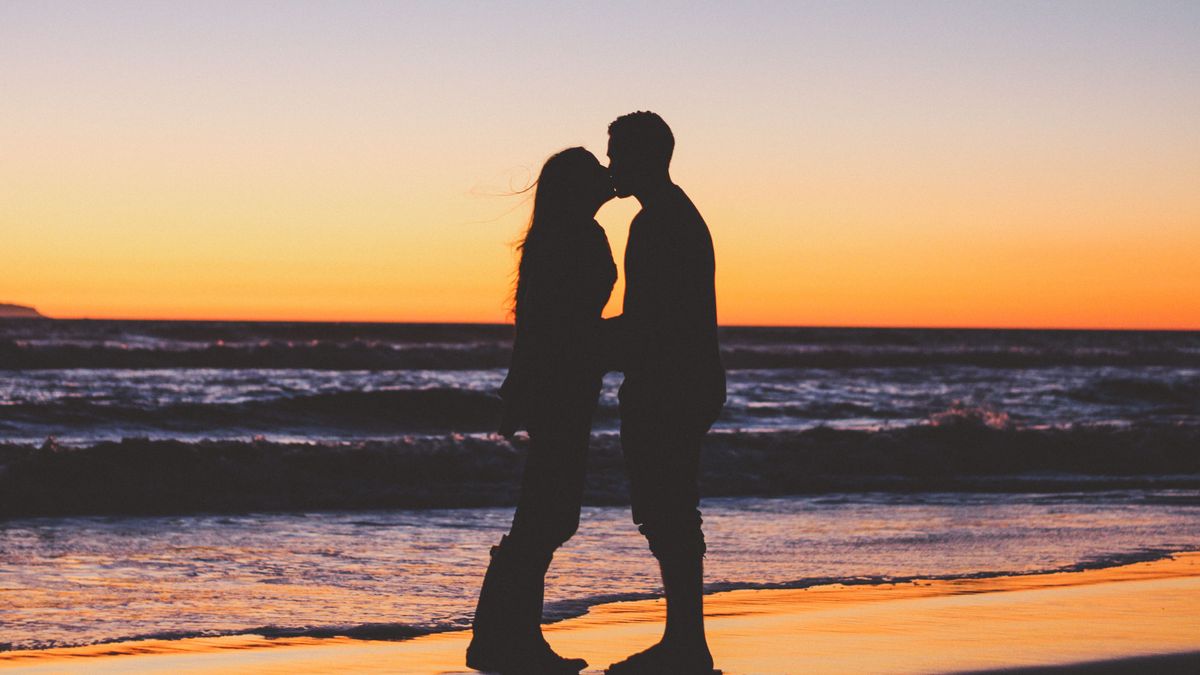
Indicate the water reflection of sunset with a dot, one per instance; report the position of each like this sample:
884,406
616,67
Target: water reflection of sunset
925,626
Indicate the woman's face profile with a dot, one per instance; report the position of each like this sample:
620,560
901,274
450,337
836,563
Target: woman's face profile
601,183
576,181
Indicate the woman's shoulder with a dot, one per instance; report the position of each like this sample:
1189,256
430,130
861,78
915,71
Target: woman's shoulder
571,248
596,233
599,240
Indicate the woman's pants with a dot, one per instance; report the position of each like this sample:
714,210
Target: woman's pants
507,623
547,512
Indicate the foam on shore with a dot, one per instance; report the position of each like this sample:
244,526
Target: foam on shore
1092,617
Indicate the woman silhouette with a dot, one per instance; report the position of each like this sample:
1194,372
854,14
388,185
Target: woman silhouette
564,278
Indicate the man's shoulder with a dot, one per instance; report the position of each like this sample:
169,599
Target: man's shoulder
678,210
687,208
681,210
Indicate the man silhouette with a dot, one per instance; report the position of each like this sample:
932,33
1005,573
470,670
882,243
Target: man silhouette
674,388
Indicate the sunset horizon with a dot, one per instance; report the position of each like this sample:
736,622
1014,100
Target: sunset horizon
271,167
644,337
722,324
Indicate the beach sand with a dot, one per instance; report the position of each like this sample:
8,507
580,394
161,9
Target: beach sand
1109,620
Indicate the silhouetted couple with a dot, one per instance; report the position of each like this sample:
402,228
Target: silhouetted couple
665,342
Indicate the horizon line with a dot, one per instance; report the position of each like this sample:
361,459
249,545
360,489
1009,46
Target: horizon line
719,325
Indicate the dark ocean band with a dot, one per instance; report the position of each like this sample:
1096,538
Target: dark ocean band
366,356
139,476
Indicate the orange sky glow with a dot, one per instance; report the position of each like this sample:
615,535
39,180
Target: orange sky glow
859,165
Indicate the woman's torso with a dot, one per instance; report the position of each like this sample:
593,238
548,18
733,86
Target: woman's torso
564,287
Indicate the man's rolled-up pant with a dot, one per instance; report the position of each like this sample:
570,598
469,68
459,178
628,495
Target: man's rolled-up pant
662,460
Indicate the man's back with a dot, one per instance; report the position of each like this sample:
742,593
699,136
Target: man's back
672,355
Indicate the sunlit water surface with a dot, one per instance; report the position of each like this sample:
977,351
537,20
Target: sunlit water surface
81,580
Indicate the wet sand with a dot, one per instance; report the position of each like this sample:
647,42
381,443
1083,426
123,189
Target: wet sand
1109,620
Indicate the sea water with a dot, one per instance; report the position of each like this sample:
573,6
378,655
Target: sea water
398,573
70,389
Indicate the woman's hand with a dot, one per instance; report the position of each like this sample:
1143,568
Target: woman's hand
510,421
510,395
612,344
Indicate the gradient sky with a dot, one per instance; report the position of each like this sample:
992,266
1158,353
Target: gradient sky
888,164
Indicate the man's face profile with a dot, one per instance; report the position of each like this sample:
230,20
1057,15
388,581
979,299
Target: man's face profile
619,167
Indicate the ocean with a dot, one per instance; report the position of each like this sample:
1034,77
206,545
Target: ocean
169,478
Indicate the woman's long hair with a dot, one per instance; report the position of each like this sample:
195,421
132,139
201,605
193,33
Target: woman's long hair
561,187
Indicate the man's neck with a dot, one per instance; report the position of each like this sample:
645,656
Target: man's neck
655,192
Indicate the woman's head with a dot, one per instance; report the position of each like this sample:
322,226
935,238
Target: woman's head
572,184
571,187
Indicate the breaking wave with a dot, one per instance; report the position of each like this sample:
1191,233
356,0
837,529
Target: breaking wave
371,355
360,411
1183,392
456,470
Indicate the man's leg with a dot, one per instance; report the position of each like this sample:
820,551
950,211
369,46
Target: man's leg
683,584
662,460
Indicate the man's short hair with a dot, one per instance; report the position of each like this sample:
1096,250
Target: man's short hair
647,133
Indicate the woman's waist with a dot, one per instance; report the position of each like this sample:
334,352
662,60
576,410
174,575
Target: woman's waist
551,373
553,393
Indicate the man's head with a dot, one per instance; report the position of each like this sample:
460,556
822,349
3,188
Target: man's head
639,152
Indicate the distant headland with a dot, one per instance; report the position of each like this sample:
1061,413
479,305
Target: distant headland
9,311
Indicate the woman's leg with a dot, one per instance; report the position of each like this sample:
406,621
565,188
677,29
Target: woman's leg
547,512
507,625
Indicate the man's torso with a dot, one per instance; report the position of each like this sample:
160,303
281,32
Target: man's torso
673,358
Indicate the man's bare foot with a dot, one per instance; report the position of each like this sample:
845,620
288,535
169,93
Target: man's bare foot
665,659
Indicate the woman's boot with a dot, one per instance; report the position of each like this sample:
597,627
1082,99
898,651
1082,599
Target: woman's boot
506,630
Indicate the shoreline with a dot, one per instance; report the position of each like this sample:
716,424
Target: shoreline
1088,620
567,609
